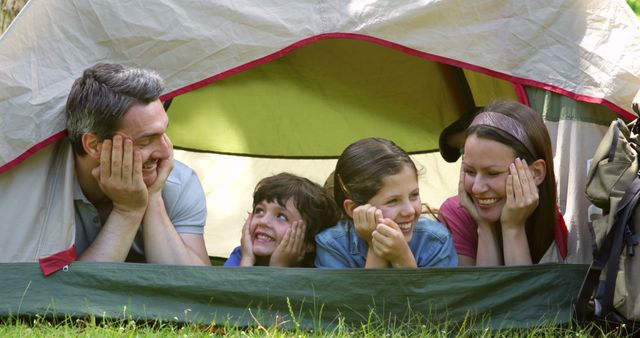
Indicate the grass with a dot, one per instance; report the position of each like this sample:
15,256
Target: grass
40,326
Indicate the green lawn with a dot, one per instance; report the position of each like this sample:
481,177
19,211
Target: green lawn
41,327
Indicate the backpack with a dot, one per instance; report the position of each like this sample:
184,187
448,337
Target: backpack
611,289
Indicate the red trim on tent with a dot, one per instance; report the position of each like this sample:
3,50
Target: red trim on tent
57,261
521,92
390,44
561,235
401,48
33,150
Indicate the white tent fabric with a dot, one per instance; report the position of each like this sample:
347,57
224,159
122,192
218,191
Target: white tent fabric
586,49
37,206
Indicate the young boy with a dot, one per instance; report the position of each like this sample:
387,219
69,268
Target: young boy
288,211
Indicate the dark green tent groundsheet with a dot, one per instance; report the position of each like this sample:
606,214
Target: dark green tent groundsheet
521,296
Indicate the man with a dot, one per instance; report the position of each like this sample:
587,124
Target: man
132,200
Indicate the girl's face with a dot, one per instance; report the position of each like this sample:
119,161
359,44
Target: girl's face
485,164
399,200
269,223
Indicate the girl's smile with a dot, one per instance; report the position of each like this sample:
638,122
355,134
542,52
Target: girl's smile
399,200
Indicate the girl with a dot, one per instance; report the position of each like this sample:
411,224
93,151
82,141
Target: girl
505,211
376,185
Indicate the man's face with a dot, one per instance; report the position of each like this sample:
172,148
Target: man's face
146,125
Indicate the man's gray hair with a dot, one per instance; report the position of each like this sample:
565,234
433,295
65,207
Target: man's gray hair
99,99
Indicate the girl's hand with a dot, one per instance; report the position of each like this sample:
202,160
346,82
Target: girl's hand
365,219
389,243
291,250
522,196
246,244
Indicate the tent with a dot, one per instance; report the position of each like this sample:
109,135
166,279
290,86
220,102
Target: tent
259,88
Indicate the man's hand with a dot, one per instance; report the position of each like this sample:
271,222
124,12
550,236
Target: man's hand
164,169
291,250
365,220
119,175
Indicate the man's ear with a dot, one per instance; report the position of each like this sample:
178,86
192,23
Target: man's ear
539,171
91,144
348,206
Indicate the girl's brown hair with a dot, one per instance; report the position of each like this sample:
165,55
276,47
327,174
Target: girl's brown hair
363,165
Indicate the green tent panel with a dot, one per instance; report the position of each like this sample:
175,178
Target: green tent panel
323,96
520,296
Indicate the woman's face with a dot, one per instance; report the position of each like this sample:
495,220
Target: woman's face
485,164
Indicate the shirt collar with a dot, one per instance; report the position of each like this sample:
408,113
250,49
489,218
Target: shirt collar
78,195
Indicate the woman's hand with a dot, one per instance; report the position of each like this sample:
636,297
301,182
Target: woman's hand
389,243
291,250
365,219
466,201
522,196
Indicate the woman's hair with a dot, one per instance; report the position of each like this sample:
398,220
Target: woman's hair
362,167
536,145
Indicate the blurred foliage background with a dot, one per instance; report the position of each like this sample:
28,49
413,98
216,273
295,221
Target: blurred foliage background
10,8
635,5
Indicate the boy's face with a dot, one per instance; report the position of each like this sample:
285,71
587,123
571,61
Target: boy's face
269,223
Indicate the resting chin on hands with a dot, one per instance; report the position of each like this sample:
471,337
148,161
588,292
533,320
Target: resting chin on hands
164,169
246,244
522,196
365,220
291,250
467,203
119,176
389,243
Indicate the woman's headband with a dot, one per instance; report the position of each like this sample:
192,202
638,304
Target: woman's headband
507,125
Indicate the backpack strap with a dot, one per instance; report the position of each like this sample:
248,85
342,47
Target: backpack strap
608,255
615,243
614,142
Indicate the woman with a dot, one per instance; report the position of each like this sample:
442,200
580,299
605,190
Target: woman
506,211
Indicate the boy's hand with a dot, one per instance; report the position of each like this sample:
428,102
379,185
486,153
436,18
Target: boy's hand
365,219
522,196
119,175
291,250
389,243
246,244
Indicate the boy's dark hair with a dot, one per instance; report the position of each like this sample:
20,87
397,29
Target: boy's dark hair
317,208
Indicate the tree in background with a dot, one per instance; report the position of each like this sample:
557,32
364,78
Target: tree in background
635,5
10,9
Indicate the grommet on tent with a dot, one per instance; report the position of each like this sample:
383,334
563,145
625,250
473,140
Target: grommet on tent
58,261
